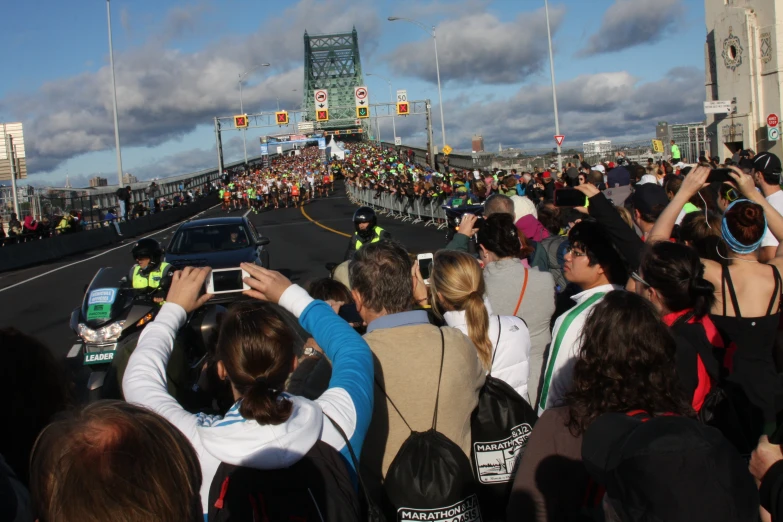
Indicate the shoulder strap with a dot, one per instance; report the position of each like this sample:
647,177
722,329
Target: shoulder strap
559,340
776,292
522,293
497,343
732,293
440,374
373,509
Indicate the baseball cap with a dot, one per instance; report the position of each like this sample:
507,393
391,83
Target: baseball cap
600,168
647,197
767,163
647,178
546,174
669,468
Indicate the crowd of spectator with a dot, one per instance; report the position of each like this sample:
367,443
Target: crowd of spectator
640,330
80,219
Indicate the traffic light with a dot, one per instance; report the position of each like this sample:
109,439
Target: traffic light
362,112
281,118
240,121
403,109
322,115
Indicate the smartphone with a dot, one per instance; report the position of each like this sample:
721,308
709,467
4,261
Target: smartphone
567,197
226,281
425,266
720,175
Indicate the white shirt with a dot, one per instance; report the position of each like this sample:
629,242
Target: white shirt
776,200
511,351
559,378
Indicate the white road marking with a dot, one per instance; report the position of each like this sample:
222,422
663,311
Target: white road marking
246,213
103,253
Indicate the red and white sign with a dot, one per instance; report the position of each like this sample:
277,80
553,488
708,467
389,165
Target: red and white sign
773,120
321,97
360,94
559,139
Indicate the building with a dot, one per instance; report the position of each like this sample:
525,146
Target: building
691,138
477,144
17,134
597,148
98,181
744,65
129,179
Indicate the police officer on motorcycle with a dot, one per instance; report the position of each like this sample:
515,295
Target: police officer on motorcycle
150,271
367,231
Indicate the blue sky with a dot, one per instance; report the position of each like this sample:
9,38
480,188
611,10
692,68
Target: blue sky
621,66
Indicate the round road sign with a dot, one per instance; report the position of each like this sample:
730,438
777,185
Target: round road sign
361,93
773,120
320,96
773,134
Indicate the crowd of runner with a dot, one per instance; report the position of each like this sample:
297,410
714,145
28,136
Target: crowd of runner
599,343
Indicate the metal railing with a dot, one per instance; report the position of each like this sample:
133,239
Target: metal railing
412,209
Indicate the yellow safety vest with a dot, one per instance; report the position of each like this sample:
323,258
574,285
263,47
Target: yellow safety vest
376,239
152,280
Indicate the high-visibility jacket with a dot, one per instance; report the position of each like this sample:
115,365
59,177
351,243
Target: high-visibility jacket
377,238
151,280
676,152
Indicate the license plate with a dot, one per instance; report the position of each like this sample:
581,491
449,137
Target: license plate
98,357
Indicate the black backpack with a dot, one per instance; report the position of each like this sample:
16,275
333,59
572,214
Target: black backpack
316,488
431,478
500,427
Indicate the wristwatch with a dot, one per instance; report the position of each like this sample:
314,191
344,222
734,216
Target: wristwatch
309,351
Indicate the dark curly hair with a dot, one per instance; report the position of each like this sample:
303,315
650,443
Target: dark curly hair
626,363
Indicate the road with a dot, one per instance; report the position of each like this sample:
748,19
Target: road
39,300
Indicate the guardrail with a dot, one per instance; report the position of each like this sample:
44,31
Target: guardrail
31,253
405,208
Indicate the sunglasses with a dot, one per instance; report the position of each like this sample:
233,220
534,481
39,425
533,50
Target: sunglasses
637,277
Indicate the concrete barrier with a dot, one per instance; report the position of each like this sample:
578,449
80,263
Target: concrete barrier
31,253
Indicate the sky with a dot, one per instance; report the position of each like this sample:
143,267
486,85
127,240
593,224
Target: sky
621,66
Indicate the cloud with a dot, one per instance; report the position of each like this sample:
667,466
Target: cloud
164,93
629,23
480,48
612,105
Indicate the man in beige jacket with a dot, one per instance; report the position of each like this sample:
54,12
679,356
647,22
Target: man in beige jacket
407,358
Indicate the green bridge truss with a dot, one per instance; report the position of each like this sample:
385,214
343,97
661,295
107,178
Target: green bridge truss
332,62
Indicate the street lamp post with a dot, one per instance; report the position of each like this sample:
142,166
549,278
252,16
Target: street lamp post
114,98
554,88
391,100
242,77
437,67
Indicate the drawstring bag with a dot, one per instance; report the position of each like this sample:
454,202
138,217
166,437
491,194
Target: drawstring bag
500,427
431,478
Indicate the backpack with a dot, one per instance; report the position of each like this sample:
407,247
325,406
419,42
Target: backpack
431,478
500,427
548,256
317,488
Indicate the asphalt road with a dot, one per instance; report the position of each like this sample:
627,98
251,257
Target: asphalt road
39,300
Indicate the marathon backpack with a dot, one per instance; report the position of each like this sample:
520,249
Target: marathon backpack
500,427
431,478
317,488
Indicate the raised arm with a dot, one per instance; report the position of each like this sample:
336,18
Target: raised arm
144,382
694,181
774,219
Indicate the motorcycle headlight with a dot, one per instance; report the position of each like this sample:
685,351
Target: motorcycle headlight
108,333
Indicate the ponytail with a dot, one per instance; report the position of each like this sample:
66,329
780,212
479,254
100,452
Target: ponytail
702,293
255,345
262,402
478,327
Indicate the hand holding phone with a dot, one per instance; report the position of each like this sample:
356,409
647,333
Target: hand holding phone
720,175
226,281
425,266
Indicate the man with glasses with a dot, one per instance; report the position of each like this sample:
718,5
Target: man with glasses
593,263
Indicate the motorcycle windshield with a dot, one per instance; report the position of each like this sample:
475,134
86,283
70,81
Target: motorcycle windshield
106,297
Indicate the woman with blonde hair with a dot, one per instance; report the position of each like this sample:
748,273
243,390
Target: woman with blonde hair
503,343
